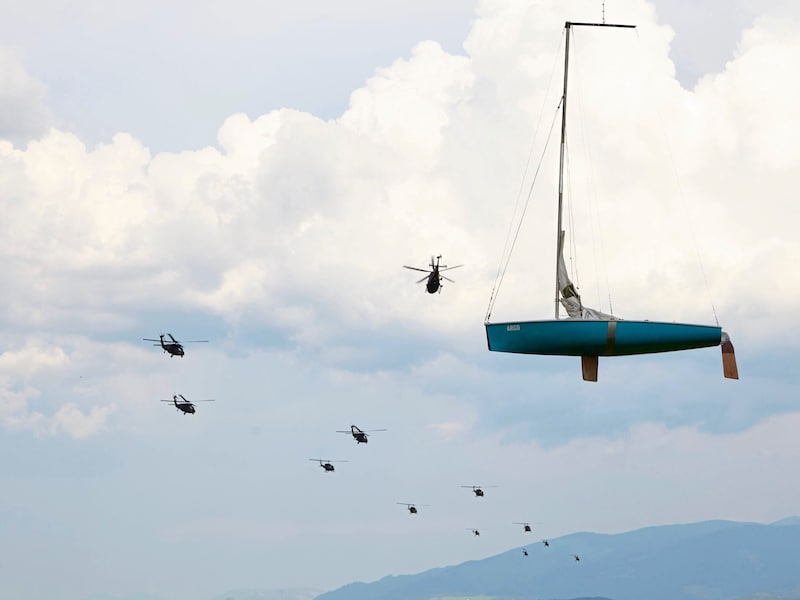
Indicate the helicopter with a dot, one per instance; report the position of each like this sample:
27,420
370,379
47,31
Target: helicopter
183,404
412,508
474,531
478,489
173,347
434,277
526,526
524,552
576,557
359,435
326,464
546,543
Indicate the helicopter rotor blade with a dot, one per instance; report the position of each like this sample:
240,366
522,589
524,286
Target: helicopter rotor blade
417,269
195,342
172,338
446,278
446,268
423,279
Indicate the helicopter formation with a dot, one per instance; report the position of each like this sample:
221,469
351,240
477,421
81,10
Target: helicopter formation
171,346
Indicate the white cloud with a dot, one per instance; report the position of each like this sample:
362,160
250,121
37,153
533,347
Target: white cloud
299,214
43,389
71,420
23,112
291,233
301,225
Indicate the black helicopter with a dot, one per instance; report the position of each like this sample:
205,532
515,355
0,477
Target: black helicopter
359,435
184,405
524,552
412,508
327,465
434,277
576,557
474,531
173,347
526,527
546,543
478,489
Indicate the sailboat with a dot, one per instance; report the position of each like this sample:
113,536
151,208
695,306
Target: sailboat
587,332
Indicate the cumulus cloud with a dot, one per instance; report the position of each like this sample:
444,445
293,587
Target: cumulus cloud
294,215
643,476
299,226
71,420
41,389
23,112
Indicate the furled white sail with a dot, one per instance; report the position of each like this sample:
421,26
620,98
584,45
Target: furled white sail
569,296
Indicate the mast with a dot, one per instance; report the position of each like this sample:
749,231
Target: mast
568,27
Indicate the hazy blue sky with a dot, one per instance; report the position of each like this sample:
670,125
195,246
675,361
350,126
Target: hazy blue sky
255,174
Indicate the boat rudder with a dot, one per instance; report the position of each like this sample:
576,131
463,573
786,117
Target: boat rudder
729,369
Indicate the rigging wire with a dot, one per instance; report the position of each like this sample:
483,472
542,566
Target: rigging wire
505,256
504,267
685,204
573,247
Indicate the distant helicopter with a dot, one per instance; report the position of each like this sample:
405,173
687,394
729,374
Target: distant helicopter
524,552
183,404
174,347
546,543
526,526
326,464
474,531
434,277
359,435
412,508
478,489
576,557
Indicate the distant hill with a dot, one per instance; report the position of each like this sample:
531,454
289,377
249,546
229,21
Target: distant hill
250,594
788,521
711,560
126,597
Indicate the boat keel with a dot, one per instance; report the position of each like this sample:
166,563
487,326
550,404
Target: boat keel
589,367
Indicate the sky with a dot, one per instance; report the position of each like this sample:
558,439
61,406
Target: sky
256,175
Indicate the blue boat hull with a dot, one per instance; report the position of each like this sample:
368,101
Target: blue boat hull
576,337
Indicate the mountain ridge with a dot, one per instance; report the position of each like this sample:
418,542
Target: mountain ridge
717,559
